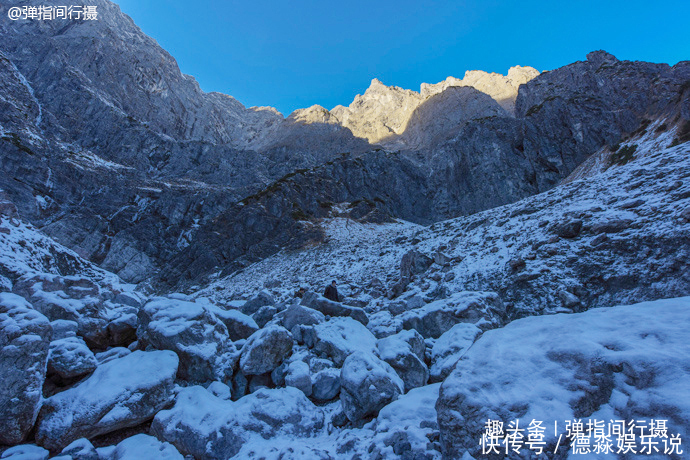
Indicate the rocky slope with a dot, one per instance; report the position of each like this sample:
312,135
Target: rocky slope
101,105
431,338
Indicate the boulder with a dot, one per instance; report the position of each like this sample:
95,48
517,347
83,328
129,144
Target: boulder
338,338
264,314
70,298
331,308
326,384
111,354
122,393
261,300
240,326
484,309
24,341
189,329
414,263
204,426
299,315
397,350
63,328
143,446
619,363
450,347
367,385
298,377
81,449
265,350
70,357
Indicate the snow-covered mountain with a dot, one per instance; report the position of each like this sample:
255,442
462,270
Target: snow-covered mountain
504,247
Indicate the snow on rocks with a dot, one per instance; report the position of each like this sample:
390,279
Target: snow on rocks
298,376
189,329
367,385
450,347
24,338
81,449
144,446
262,299
70,357
25,452
620,363
484,309
70,298
265,350
338,338
121,393
326,384
239,325
204,426
404,351
331,308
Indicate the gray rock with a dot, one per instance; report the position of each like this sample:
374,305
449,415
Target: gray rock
24,339
131,299
264,314
63,328
397,350
338,338
482,308
414,263
81,449
71,298
568,229
569,366
326,384
297,314
265,350
204,426
298,376
119,394
611,226
449,348
194,333
367,385
331,308
262,299
70,357
239,325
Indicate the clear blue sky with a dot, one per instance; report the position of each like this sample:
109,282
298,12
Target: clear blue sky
293,54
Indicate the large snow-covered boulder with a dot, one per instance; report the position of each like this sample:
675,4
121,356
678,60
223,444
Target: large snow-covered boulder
24,340
121,393
331,308
483,309
198,337
326,384
70,357
367,385
622,363
262,299
299,315
265,350
143,446
72,298
404,351
204,426
450,347
240,326
338,338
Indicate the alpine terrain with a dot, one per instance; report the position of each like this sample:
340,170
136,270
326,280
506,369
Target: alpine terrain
510,248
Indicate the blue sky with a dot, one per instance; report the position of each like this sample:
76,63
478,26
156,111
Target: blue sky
293,54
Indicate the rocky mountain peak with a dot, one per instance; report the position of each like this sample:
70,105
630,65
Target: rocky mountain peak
600,57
